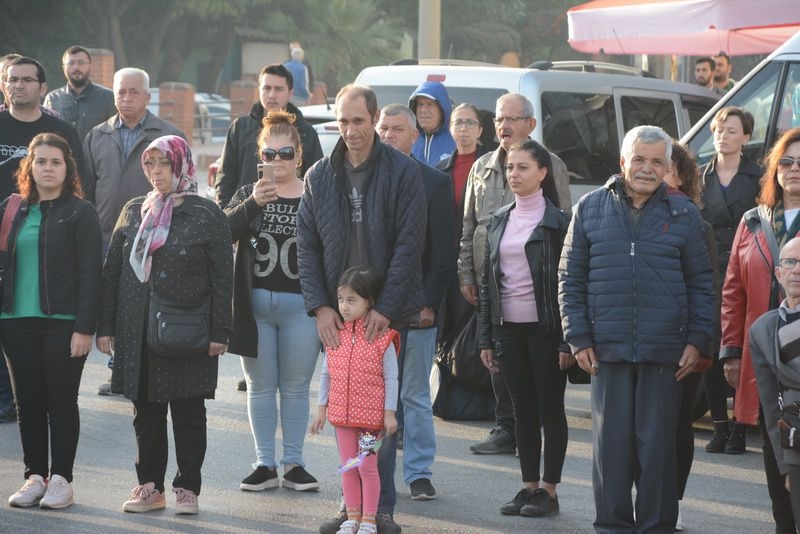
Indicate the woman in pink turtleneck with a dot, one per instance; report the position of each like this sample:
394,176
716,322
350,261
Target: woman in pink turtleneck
521,326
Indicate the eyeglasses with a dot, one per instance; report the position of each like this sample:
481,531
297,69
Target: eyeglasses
460,123
501,120
788,263
788,162
286,154
79,62
27,80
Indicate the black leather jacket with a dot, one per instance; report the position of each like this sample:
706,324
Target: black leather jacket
70,260
543,250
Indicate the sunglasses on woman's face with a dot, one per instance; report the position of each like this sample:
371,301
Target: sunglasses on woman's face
286,154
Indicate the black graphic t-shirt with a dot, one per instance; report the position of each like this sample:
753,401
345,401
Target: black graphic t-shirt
16,135
275,265
357,247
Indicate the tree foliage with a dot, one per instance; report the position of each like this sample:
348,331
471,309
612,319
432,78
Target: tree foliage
340,36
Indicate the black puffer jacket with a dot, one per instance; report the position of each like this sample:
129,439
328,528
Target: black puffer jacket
240,154
70,260
395,219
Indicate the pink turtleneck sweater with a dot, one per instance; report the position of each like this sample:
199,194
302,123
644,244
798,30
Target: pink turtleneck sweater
517,300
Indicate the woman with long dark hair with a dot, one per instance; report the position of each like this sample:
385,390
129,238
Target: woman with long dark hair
50,293
521,326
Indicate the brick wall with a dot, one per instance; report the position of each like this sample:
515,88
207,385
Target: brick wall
176,105
244,93
102,66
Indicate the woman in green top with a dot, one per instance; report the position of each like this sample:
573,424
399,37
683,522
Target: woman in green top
50,289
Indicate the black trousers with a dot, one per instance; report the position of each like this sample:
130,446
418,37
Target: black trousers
189,432
684,436
781,500
45,380
529,367
716,389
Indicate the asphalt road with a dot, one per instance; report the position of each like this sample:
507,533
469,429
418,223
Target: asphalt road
725,494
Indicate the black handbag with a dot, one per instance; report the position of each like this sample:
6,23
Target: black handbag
576,375
462,356
178,331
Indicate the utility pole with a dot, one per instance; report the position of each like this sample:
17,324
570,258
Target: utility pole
429,28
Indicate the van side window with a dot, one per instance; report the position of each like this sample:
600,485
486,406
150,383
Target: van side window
639,110
581,129
757,97
789,114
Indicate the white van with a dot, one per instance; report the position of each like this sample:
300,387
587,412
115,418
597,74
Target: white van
581,116
771,92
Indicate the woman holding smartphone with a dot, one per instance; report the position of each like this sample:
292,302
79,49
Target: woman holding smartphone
277,339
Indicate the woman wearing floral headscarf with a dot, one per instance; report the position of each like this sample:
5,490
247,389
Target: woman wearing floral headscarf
175,244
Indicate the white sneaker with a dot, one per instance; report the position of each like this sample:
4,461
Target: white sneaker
367,528
30,493
679,522
59,493
348,527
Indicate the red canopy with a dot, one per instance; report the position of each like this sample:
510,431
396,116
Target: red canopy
682,27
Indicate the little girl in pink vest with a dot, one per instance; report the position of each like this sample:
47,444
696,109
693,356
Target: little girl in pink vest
358,395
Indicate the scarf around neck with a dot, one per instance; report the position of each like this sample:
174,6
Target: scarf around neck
157,207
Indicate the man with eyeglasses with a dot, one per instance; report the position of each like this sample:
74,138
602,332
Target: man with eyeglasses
774,350
487,191
24,85
114,150
81,103
239,155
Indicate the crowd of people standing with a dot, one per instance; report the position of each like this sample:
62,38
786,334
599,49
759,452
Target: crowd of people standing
364,258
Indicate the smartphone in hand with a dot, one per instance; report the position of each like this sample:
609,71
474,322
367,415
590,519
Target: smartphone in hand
266,170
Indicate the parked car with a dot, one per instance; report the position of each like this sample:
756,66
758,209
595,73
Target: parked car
212,115
771,92
581,114
318,113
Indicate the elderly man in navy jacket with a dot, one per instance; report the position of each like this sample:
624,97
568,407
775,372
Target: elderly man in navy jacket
637,301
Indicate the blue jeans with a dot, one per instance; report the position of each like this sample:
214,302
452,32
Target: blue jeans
288,347
419,440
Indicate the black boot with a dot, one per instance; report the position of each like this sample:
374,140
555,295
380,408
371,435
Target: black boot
722,432
737,442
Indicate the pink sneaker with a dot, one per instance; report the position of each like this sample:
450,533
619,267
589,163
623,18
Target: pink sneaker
30,493
145,498
185,501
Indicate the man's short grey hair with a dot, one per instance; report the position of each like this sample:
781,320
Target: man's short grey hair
392,110
527,105
131,71
297,53
646,135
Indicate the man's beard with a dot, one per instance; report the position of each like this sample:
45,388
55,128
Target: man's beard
80,82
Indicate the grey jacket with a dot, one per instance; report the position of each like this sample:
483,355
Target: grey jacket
116,179
487,192
94,105
769,371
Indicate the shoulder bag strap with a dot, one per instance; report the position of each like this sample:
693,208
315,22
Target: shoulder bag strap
12,208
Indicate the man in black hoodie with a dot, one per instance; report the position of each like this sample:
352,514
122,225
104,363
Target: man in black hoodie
240,153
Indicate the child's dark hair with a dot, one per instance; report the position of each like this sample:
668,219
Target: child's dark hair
364,281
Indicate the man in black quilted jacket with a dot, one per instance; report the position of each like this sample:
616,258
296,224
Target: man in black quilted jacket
365,205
